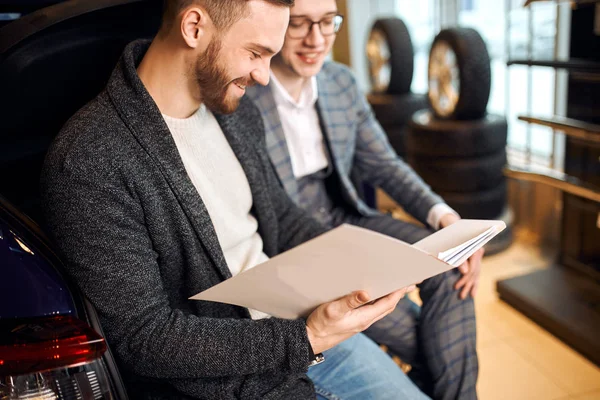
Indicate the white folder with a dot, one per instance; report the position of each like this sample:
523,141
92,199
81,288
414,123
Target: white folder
346,259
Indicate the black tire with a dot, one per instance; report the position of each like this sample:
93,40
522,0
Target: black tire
396,110
485,204
474,69
461,174
427,136
401,54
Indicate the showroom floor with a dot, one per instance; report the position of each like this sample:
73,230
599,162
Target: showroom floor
519,360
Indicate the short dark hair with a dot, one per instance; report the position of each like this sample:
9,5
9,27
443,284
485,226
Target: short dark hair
223,13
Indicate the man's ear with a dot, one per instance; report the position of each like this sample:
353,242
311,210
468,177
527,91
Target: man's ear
193,25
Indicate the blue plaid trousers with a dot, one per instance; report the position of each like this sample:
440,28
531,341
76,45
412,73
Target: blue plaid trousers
437,339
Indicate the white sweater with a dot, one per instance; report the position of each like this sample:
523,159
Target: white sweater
221,182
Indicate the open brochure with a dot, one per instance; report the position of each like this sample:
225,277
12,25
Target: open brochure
346,259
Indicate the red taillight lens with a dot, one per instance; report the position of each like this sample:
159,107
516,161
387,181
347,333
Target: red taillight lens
28,346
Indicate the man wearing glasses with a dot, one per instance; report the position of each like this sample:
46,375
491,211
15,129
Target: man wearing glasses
320,131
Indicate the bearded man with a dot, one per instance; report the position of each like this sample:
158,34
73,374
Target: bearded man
157,190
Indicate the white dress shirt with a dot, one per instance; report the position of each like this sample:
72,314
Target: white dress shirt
301,127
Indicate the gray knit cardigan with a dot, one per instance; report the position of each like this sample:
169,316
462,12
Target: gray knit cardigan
138,241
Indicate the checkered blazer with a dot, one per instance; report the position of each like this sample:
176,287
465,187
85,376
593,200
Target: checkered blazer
358,144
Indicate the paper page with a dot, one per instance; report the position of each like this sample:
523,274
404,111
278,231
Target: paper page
464,253
456,255
458,234
446,255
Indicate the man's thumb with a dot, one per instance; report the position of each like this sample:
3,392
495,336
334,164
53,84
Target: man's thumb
356,299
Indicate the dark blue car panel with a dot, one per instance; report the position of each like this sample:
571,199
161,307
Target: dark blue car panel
30,286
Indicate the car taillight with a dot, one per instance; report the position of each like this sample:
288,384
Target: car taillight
51,358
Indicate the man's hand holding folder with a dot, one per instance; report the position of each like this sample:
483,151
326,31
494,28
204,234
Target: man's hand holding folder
332,323
470,269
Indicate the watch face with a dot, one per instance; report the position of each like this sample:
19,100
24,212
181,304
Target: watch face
319,358
378,56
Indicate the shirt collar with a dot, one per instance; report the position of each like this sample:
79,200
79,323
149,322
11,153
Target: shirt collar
308,96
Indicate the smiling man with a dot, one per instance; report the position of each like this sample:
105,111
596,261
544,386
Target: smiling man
320,131
161,188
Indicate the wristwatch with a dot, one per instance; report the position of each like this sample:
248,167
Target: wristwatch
314,359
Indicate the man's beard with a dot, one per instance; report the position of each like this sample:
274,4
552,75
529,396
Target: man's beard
213,81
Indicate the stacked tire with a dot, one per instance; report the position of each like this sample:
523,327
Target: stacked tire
391,63
457,147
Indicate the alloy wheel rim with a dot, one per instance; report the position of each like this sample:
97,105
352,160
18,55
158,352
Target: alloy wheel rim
444,79
378,56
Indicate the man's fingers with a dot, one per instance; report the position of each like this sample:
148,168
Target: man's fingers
360,299
461,282
340,307
349,302
465,291
398,294
482,250
356,299
390,298
383,305
381,316
473,261
477,256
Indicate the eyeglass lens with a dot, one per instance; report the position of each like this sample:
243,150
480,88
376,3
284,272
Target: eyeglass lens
300,27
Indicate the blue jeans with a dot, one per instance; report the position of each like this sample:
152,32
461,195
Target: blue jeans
358,369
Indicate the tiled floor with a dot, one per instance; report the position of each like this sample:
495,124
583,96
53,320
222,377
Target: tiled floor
518,359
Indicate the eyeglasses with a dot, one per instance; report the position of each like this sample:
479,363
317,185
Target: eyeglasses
300,27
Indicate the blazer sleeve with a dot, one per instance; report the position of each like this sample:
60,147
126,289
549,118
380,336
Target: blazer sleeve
98,224
376,162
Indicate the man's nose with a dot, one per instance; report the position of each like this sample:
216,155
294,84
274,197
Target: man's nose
261,75
314,38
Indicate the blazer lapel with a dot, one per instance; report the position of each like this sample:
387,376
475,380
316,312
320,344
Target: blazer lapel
335,134
279,153
142,116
